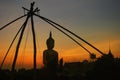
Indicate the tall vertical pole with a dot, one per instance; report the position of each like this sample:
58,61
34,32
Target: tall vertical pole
34,40
33,32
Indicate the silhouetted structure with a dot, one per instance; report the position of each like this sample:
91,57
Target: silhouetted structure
61,63
50,56
50,59
104,68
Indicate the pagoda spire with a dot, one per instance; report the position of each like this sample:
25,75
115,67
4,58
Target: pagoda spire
109,49
110,54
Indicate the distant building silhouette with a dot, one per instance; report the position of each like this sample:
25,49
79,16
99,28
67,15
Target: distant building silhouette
110,54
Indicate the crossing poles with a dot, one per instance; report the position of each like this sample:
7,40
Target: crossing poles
30,14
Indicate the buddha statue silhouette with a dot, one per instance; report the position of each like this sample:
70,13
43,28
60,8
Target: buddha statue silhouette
50,56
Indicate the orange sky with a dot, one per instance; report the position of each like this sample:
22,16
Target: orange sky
66,48
98,22
72,53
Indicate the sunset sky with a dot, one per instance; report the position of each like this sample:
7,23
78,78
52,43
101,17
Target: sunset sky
96,21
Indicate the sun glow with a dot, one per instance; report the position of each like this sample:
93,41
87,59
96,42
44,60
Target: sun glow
66,49
76,54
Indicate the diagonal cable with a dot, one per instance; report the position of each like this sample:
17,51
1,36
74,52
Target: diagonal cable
10,46
19,42
68,36
12,22
71,33
23,52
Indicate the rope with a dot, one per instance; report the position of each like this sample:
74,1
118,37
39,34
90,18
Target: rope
68,36
10,58
19,41
12,22
10,46
24,48
71,33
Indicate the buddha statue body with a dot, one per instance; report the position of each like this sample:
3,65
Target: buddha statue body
50,56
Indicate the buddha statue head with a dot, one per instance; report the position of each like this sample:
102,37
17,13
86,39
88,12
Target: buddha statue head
50,42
